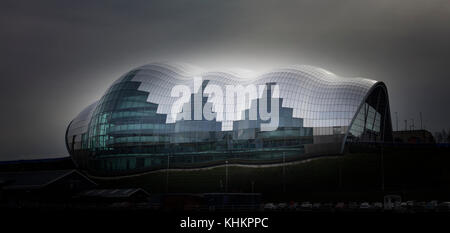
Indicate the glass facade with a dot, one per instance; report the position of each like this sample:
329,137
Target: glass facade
133,127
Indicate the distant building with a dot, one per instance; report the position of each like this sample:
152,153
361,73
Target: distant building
233,201
180,201
210,201
43,186
413,136
110,196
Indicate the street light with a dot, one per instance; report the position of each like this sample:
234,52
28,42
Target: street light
284,172
167,173
226,176
396,120
421,125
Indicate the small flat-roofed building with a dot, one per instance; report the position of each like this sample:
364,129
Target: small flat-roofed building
413,136
131,195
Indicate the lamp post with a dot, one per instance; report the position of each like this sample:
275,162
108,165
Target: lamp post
167,173
421,125
382,169
284,172
396,120
226,176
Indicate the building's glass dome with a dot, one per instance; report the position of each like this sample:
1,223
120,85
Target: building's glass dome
134,128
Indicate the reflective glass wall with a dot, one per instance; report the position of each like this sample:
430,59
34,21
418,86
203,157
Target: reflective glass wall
132,129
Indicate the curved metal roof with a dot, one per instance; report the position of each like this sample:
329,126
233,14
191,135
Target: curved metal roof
319,97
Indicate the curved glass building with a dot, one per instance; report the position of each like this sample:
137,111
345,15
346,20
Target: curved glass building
160,115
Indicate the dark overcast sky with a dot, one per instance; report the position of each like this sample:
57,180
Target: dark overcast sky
56,57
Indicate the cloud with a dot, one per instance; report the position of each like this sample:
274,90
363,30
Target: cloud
59,56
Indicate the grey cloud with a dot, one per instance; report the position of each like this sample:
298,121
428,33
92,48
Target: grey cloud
59,56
